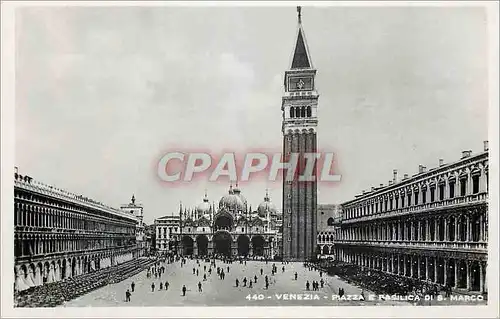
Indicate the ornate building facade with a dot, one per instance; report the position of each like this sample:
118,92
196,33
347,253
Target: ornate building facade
167,230
329,216
432,226
299,107
231,229
58,234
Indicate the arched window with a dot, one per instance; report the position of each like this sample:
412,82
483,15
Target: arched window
309,112
292,112
330,221
303,111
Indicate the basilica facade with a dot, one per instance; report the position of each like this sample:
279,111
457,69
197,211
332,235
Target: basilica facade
231,228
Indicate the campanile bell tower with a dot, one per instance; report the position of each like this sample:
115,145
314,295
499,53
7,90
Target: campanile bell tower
299,113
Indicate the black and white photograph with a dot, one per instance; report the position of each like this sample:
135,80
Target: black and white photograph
181,159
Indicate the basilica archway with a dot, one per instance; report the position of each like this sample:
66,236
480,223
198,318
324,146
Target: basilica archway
223,222
258,244
222,243
187,245
243,245
202,243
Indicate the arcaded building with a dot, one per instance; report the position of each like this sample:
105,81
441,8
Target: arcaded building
328,222
230,229
432,226
58,234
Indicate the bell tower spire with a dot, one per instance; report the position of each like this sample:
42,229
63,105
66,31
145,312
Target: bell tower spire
299,106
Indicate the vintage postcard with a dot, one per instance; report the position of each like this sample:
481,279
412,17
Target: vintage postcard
179,159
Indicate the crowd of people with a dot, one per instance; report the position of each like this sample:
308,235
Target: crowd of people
56,293
378,281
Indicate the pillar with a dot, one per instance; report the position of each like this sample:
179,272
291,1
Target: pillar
435,270
481,277
411,266
426,268
467,267
418,267
445,271
456,273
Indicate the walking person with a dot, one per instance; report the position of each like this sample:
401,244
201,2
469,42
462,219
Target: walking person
152,287
161,285
199,286
322,282
184,290
250,285
132,285
245,282
261,271
166,285
204,277
127,296
255,278
196,272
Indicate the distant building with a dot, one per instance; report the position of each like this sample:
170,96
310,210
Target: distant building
328,221
150,238
137,210
166,230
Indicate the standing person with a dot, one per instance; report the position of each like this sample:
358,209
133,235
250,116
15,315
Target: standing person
132,286
295,275
184,290
283,268
250,285
267,284
193,271
127,296
152,287
237,282
261,271
255,278
199,286
227,269
196,272
245,282
161,285
204,267
307,285
204,277
166,285
321,274
322,282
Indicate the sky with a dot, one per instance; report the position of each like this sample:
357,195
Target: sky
103,92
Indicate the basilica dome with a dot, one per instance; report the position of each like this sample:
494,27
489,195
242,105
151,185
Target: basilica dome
266,206
233,202
203,208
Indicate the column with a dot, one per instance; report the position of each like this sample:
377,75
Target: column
457,219
445,271
456,273
467,267
468,221
481,277
405,259
435,269
426,268
418,267
411,266
427,229
446,237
